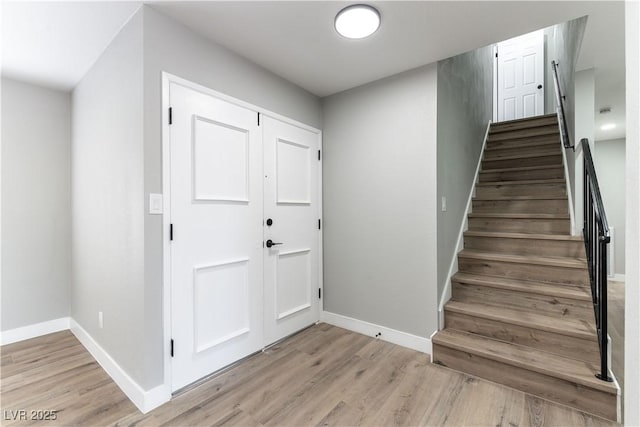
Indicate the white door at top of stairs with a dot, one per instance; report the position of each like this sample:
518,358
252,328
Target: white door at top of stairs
521,77
244,210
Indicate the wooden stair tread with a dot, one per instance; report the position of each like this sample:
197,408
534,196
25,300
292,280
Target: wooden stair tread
519,134
575,371
549,153
562,326
543,129
522,168
518,215
528,123
533,236
524,259
528,197
518,140
523,182
529,144
524,120
529,286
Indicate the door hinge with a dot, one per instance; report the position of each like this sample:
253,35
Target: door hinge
319,155
170,115
319,224
319,293
171,347
258,119
170,231
496,54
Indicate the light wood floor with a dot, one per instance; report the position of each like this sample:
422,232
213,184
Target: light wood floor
322,376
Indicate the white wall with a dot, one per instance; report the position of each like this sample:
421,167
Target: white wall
609,159
108,201
567,40
171,47
36,206
380,202
465,101
585,106
632,288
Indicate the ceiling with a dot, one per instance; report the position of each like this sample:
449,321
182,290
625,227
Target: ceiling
297,41
54,43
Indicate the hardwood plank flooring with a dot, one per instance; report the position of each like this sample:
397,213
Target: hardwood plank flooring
324,376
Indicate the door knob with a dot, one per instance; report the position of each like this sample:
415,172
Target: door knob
272,243
539,86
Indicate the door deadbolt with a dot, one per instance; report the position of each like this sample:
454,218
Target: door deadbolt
269,222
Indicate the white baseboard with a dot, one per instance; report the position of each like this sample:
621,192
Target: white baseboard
618,277
390,335
33,331
144,400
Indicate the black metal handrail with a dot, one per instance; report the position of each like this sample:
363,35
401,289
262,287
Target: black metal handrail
596,239
562,118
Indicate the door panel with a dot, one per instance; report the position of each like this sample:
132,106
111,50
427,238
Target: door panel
216,254
293,282
520,74
231,295
291,168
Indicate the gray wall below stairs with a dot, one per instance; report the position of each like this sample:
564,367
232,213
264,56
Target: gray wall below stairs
380,202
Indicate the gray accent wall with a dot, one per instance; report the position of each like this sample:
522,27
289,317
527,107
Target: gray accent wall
36,204
108,201
169,46
609,159
379,168
465,106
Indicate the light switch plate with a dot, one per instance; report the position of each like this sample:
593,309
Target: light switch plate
444,204
155,204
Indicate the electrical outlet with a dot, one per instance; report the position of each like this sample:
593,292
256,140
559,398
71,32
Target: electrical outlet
378,335
100,320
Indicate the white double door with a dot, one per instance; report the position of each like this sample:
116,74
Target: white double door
521,77
231,295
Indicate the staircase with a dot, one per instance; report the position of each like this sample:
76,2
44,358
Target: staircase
521,312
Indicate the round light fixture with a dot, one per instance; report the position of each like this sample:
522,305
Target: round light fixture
357,21
608,126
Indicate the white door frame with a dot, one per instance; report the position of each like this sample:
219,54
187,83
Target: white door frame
167,79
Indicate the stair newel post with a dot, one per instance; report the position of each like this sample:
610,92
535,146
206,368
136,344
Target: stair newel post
604,353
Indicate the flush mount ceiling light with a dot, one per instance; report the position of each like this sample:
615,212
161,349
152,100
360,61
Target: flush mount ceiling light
357,21
608,126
